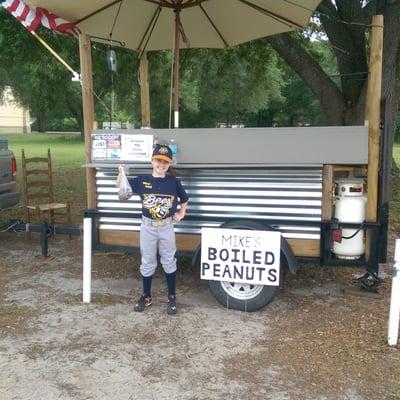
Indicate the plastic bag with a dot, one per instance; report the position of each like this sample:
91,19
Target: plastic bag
125,190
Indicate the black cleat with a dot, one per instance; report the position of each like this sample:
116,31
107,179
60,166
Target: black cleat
171,306
142,303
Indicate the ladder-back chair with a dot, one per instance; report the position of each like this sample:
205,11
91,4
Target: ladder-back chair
37,181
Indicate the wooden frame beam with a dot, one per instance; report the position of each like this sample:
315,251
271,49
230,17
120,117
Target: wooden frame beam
88,114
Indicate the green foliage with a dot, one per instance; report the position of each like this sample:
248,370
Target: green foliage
230,84
43,84
120,87
397,131
3,81
39,82
59,125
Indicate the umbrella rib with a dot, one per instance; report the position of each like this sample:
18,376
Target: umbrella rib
108,40
175,6
162,3
271,14
213,25
193,3
97,11
150,27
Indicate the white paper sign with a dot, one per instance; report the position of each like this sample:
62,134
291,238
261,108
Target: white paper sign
137,147
106,146
237,255
122,147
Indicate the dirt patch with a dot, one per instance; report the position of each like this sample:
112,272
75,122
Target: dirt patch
314,341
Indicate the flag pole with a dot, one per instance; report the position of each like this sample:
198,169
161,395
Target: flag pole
56,55
75,74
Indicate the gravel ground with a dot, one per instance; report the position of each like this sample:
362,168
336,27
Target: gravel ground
316,340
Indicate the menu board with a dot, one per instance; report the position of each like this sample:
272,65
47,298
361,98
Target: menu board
121,147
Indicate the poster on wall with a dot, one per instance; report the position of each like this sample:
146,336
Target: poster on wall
106,146
237,255
137,147
121,147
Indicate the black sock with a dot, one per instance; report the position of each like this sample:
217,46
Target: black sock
147,285
171,284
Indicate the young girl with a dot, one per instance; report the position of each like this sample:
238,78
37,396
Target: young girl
160,194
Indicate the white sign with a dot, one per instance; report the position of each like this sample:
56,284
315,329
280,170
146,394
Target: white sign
121,147
137,147
237,255
106,146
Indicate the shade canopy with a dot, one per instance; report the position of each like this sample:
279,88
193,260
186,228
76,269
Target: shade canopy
150,24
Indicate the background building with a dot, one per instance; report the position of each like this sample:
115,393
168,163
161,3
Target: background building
13,118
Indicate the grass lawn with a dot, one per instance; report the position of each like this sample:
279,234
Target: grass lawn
68,156
66,150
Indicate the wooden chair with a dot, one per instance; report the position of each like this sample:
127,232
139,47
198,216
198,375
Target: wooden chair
37,181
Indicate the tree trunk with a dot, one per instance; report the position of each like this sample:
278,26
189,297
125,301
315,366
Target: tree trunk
42,123
78,115
325,90
346,25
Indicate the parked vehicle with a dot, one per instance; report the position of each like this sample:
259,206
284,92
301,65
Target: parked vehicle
8,172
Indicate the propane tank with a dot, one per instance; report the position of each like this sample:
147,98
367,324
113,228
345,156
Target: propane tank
350,206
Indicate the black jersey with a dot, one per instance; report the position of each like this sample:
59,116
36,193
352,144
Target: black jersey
159,196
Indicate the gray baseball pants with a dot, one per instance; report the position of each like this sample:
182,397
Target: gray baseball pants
161,240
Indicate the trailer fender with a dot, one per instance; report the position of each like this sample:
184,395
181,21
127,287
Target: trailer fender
289,256
286,250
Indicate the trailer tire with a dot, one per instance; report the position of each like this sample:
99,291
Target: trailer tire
243,296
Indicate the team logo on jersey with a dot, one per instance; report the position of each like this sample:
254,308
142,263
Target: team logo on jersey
147,185
158,204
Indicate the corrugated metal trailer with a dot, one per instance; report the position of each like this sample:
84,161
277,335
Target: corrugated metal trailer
287,198
260,179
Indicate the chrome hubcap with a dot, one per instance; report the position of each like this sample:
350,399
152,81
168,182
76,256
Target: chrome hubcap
241,291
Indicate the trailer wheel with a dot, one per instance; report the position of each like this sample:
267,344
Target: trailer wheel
242,296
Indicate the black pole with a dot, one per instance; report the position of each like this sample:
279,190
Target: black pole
44,238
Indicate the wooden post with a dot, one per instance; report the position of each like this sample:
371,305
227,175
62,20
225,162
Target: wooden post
373,117
144,90
88,114
372,114
327,192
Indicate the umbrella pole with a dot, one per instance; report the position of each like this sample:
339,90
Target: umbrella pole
176,69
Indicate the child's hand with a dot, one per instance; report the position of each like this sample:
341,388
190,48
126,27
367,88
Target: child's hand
122,168
177,217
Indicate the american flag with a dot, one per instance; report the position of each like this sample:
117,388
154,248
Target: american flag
31,17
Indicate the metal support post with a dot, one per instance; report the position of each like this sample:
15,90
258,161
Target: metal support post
87,259
44,241
394,314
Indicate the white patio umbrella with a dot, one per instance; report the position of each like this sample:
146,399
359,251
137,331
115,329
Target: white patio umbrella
145,25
